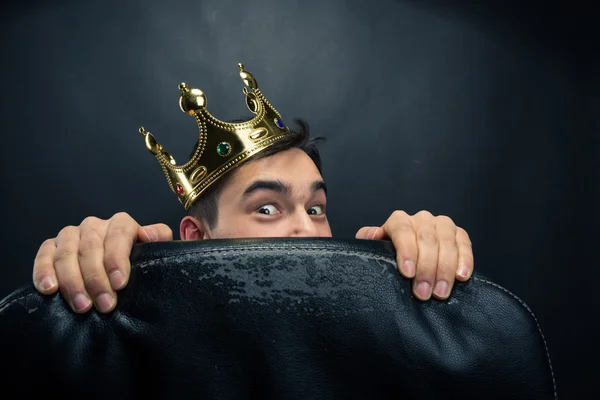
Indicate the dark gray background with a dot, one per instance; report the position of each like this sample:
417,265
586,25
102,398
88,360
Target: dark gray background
486,113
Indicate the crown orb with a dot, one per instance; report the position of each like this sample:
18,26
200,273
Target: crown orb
192,100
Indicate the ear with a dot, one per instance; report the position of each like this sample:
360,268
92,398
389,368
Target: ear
191,228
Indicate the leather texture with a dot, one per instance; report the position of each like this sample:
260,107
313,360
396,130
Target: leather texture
275,319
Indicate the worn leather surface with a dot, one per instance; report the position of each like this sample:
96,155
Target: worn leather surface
280,319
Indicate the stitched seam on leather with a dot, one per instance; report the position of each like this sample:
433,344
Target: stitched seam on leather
7,305
536,324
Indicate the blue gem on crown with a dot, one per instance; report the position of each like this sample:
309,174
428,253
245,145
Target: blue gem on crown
279,123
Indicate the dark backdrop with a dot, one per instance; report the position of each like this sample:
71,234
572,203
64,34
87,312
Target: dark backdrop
488,114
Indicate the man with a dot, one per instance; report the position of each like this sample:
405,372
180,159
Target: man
255,178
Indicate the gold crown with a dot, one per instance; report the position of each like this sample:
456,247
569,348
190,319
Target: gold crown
222,146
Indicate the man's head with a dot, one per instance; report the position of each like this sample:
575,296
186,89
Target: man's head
278,193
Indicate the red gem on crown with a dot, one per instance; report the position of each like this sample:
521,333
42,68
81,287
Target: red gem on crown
178,188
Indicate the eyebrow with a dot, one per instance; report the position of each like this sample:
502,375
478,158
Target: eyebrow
280,187
319,185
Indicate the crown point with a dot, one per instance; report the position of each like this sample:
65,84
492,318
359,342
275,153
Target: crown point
183,87
142,130
247,77
192,100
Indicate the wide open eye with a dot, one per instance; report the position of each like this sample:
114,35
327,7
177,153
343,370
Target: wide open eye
267,209
316,210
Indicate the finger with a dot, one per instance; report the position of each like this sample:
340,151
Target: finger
466,262
91,262
67,269
370,233
400,230
154,233
447,257
121,233
44,276
427,248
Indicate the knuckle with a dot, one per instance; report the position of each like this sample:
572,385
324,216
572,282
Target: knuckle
448,243
87,245
121,215
90,221
63,254
445,219
116,232
95,281
67,231
399,214
428,236
48,243
424,214
404,227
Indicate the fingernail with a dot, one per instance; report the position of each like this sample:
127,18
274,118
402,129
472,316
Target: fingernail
441,289
48,282
408,268
104,302
80,302
117,279
152,234
463,271
423,290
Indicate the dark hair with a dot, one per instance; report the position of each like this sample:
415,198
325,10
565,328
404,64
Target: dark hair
206,207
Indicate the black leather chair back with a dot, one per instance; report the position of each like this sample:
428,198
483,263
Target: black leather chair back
275,319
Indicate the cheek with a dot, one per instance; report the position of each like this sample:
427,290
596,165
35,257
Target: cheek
324,230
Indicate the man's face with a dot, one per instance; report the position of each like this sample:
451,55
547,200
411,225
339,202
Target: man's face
277,196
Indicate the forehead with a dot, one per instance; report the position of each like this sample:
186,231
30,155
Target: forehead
293,166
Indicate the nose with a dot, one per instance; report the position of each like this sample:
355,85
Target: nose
302,225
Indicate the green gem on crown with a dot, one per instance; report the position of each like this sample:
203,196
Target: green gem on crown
224,149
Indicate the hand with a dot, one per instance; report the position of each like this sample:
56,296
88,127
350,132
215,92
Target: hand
433,250
91,261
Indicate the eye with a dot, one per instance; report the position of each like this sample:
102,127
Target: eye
267,209
316,210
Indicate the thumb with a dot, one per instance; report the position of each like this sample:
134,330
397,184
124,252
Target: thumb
154,233
370,233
